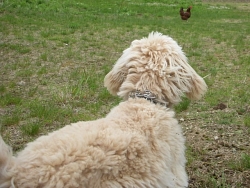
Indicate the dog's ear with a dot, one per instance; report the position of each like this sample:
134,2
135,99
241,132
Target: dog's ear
185,79
193,85
114,79
198,87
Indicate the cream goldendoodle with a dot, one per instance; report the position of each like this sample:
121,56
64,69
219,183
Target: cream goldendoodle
138,144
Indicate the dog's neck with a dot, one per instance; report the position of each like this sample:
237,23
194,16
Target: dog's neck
148,95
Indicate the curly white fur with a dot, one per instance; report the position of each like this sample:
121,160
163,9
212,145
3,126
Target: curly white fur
138,144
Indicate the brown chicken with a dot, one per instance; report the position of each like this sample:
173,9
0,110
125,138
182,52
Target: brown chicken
187,14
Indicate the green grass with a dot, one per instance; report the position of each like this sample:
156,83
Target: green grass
247,122
183,105
10,120
242,165
55,54
10,99
31,129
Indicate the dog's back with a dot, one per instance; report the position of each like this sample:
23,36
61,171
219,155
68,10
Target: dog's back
6,160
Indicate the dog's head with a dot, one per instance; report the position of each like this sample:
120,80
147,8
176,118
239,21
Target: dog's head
157,64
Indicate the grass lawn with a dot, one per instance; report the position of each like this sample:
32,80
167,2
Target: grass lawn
54,55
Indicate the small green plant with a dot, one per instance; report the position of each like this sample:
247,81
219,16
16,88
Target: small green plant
43,110
242,164
45,34
10,120
32,91
213,182
86,83
20,48
247,121
10,99
226,118
213,71
31,129
2,88
24,73
42,70
245,160
44,56
183,105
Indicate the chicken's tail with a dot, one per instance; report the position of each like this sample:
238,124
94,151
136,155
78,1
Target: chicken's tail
6,164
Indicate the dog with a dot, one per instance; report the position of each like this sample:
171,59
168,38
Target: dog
139,144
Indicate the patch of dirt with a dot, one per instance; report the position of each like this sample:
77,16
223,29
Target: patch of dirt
220,106
213,149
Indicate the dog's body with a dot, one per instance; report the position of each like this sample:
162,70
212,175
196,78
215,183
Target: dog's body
132,147
138,144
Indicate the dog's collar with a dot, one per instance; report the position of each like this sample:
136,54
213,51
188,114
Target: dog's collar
148,95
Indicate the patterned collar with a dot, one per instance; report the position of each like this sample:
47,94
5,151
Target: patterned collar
148,95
